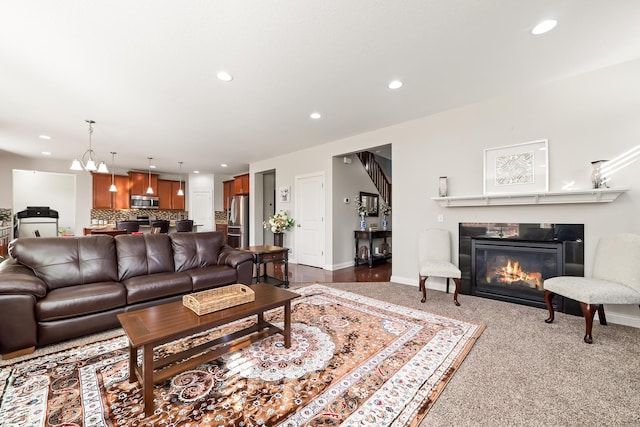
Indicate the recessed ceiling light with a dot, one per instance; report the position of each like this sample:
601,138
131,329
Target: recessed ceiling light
46,153
196,171
224,165
395,84
315,116
224,76
45,137
544,27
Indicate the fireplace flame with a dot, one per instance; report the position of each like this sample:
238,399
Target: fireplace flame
512,272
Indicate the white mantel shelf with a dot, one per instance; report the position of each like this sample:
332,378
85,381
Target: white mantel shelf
604,195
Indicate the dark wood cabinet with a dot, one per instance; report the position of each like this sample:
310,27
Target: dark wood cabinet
139,182
105,199
101,194
241,184
177,202
164,194
121,198
223,229
366,254
229,191
168,195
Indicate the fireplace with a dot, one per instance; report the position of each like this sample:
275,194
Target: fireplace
510,261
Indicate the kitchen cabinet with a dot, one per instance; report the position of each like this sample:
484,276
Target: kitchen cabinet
168,195
121,198
101,194
241,184
139,182
105,199
229,190
223,229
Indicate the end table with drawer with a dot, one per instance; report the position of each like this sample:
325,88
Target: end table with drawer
265,254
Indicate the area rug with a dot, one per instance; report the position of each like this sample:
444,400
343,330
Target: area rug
353,361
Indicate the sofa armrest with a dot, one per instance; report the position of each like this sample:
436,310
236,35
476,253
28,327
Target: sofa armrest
18,283
233,257
15,278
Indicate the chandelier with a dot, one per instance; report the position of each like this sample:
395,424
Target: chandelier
89,159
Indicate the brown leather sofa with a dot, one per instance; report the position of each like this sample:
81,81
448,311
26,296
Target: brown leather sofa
53,289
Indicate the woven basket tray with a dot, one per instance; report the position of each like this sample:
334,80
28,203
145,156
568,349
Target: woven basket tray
218,299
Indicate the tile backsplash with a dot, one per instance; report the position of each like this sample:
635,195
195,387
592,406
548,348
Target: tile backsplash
112,215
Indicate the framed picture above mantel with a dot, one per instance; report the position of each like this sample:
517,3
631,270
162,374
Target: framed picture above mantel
519,168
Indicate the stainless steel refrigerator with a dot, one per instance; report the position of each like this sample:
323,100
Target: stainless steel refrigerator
238,224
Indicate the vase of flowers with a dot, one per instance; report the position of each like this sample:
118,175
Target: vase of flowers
278,223
362,211
385,208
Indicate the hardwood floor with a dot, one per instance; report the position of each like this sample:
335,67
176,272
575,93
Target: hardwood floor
305,274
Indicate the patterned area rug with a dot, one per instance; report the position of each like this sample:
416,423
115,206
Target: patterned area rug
353,361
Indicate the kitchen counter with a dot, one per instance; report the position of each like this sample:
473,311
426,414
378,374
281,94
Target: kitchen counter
144,228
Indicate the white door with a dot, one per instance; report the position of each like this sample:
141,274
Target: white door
202,210
310,220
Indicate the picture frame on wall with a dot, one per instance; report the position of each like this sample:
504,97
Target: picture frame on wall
285,193
518,168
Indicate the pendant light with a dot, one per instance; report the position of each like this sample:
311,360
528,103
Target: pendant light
180,192
150,190
113,187
89,159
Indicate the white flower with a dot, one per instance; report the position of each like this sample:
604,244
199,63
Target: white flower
278,222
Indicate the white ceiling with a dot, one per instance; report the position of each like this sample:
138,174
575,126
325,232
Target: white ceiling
145,70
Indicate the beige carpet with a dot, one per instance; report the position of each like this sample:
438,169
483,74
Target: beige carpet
353,361
524,372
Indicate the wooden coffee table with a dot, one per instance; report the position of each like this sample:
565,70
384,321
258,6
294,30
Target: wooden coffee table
153,326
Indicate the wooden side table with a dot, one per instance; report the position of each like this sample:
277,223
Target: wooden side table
266,253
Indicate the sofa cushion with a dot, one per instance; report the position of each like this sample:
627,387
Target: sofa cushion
70,261
196,250
154,286
143,254
80,300
212,276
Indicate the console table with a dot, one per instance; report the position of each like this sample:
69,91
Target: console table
369,236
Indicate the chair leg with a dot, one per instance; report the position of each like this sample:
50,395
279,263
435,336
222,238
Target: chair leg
423,288
447,285
601,316
548,299
455,294
589,310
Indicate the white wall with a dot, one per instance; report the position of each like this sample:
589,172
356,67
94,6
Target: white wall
84,188
585,118
55,190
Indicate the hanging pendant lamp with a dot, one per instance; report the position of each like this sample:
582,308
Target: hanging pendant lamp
113,187
89,159
150,190
180,192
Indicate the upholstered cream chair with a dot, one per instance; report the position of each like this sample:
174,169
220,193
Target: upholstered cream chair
615,280
434,257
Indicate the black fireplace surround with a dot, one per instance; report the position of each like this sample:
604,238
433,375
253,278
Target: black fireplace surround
510,261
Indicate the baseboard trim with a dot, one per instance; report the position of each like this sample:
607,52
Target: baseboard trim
622,319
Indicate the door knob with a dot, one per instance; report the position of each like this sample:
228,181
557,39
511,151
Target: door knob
299,225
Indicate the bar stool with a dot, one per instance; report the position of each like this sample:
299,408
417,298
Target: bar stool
184,225
128,226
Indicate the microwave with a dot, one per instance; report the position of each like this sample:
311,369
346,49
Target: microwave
144,202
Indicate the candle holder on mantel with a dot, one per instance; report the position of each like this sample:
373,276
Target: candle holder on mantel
597,180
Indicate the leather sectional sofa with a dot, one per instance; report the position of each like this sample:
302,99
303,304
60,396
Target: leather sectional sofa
53,289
